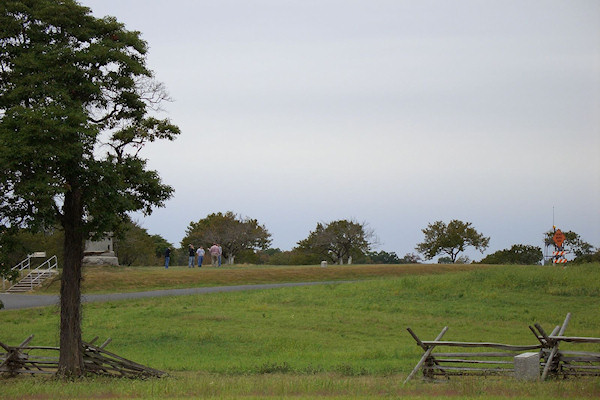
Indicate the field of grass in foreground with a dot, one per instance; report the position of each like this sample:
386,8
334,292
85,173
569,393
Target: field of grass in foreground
344,340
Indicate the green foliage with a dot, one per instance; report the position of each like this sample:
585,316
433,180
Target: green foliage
66,77
450,239
587,258
17,244
234,233
573,243
518,254
248,256
295,257
134,246
288,257
271,251
160,245
7,246
338,240
410,258
383,257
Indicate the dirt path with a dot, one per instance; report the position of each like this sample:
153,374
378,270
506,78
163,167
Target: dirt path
16,301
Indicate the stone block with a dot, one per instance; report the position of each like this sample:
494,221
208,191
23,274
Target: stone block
527,366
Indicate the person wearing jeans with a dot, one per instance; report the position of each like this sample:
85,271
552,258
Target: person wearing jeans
200,253
167,257
191,253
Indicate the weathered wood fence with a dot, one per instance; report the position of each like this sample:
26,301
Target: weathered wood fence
498,358
26,359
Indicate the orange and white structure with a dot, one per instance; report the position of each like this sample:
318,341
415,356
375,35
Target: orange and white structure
558,253
559,257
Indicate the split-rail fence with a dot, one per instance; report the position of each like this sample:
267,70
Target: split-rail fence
498,358
26,359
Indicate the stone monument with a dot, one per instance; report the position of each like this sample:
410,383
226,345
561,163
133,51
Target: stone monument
527,366
100,252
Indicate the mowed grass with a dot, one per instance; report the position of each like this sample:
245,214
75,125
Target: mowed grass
339,340
128,279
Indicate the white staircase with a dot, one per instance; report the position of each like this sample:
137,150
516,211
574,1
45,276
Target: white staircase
35,277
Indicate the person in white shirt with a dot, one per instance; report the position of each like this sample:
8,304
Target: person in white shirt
200,253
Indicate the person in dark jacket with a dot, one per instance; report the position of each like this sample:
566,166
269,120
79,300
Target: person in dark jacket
167,257
192,254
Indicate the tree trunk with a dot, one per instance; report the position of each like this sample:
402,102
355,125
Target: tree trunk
70,363
453,256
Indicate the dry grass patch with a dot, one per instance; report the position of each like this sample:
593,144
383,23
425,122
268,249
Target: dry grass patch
127,279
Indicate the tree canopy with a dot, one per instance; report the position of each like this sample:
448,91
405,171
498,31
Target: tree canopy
233,232
76,100
519,254
451,239
336,241
134,246
383,257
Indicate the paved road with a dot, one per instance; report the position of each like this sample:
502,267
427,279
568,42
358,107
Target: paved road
14,301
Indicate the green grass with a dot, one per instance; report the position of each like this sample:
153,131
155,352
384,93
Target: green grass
323,341
128,279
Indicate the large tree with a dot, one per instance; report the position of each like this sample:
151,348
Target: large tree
75,104
233,232
450,239
337,241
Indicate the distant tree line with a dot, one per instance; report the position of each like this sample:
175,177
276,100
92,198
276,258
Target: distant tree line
518,254
245,241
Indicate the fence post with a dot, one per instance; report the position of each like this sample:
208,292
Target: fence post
555,348
427,353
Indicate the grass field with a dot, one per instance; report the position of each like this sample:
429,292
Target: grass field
127,279
340,340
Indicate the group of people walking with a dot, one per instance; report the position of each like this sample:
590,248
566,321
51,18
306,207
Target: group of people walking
196,256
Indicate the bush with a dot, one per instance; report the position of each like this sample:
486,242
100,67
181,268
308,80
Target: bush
1,305
518,254
587,258
383,257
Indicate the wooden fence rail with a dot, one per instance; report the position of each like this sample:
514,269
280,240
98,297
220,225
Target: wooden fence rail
24,359
553,362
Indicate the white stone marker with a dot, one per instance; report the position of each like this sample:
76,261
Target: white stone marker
527,366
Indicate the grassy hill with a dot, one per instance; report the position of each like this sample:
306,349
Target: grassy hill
333,340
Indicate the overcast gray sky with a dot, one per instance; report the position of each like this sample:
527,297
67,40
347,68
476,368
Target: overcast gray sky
396,113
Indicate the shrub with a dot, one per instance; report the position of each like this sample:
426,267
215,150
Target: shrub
587,258
518,254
